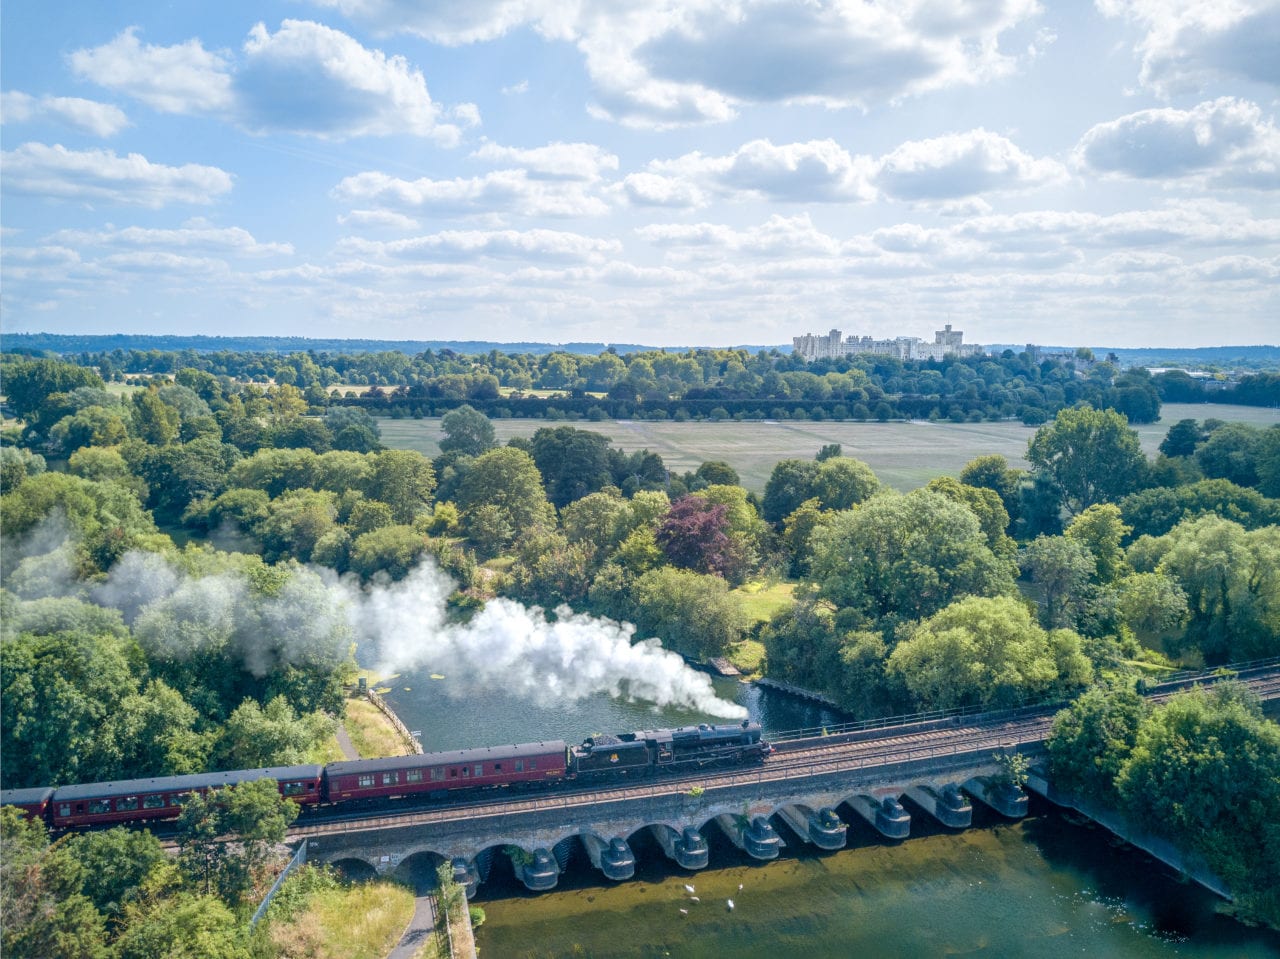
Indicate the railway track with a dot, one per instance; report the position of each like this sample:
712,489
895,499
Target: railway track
942,739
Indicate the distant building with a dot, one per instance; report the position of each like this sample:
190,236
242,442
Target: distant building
946,342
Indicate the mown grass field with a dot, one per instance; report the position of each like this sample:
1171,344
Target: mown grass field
904,455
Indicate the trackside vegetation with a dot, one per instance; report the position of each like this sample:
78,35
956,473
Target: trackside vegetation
167,600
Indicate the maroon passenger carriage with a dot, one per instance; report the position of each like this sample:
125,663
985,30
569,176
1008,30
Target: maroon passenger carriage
33,802
440,772
94,804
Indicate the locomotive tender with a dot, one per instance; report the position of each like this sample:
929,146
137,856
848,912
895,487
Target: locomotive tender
598,759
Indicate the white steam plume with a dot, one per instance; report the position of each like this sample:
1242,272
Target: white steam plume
520,650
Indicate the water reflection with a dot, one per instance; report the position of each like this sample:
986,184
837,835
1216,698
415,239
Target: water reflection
1040,888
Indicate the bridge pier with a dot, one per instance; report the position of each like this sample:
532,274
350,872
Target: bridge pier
538,871
465,874
823,828
613,858
687,848
756,838
1008,800
886,815
947,805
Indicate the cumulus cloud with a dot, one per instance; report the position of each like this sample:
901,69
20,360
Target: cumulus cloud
378,220
87,116
183,78
688,61
312,79
446,23
503,191
1226,141
101,175
816,171
527,245
961,165
555,161
652,189
793,236
233,239
306,78
1189,42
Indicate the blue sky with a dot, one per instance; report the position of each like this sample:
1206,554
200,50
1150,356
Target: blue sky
701,172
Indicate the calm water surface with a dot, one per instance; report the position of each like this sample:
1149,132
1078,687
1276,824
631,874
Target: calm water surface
1044,887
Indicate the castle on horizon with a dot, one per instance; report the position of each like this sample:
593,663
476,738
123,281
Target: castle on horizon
946,342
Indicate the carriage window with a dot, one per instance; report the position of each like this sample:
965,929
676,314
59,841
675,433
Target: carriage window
366,780
466,772
99,805
413,776
390,779
437,775
292,789
479,769
453,774
533,764
497,767
125,803
519,765
152,802
64,810
175,800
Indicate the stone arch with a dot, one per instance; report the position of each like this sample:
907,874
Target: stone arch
355,868
418,870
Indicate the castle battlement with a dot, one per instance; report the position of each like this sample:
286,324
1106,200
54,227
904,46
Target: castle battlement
946,342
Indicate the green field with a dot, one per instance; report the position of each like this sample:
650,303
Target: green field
904,455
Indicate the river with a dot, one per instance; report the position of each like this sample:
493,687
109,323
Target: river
1044,887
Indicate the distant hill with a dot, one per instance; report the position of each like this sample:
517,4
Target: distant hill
1228,357
71,343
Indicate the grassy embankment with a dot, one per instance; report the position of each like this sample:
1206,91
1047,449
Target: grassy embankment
905,455
371,733
360,921
761,601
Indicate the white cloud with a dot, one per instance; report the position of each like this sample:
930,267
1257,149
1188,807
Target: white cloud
652,189
1189,42
158,262
468,114
686,61
789,236
101,175
1233,268
502,192
528,245
1226,141
817,171
311,79
222,239
379,220
446,23
555,161
88,116
961,165
306,78
184,78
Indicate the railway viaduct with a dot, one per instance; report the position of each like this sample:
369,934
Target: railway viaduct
816,785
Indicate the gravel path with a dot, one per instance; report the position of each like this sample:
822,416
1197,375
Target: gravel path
344,743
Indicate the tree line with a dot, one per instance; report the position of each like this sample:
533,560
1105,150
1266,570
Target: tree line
164,606
702,384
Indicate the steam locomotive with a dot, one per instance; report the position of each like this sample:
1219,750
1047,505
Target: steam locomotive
599,758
